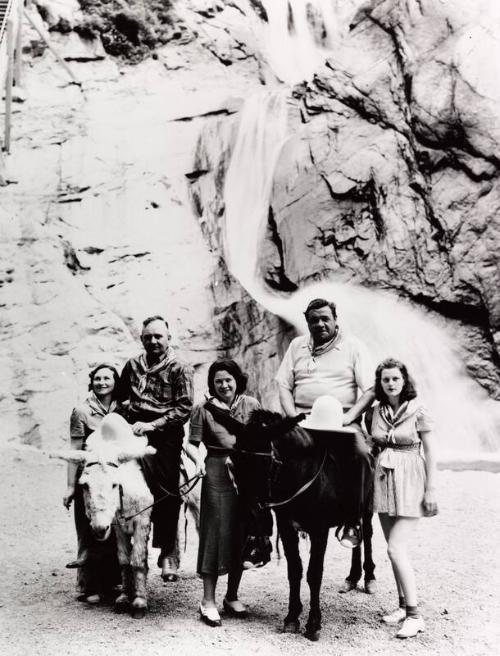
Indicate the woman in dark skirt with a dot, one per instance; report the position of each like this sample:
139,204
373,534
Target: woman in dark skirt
221,526
97,562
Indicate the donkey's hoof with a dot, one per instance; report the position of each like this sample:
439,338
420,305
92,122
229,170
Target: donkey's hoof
138,613
139,608
292,626
312,634
121,604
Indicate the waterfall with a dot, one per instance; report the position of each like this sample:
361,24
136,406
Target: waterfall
297,37
466,420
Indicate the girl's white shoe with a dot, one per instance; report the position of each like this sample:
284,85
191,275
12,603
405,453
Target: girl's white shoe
395,617
410,627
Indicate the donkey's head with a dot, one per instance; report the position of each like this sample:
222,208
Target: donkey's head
259,447
107,448
101,488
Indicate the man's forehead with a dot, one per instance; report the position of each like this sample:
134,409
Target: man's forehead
325,311
156,327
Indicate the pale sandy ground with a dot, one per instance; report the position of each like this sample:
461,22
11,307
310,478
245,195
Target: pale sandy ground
456,557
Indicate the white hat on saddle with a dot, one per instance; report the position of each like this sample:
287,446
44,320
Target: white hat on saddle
326,415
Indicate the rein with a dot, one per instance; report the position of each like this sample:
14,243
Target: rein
301,490
181,492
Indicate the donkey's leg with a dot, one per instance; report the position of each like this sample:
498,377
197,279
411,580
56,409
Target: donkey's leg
139,564
124,547
290,539
319,540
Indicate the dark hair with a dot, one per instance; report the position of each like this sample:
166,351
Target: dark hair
317,304
232,368
407,393
155,317
116,376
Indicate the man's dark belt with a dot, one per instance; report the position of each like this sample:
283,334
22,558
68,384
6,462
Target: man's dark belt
218,451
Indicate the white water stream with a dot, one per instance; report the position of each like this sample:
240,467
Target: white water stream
467,422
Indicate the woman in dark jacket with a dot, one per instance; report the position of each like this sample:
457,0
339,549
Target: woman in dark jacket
221,525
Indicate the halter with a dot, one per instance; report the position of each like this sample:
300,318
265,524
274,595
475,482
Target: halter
99,462
301,490
181,492
272,454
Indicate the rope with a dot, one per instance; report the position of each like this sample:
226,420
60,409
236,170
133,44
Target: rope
193,481
301,490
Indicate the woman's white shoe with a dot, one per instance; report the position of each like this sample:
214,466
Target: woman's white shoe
210,615
395,617
410,627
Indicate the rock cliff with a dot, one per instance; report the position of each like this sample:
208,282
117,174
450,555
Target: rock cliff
389,177
394,164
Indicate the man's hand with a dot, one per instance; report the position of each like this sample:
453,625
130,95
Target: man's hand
68,497
142,427
347,418
200,466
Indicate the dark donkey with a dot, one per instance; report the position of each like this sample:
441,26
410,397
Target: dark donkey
304,480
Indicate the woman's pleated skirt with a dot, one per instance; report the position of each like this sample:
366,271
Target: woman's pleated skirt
221,530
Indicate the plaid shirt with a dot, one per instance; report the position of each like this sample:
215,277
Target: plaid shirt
167,397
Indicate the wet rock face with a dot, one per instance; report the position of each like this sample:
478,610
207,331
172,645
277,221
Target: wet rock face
396,169
96,226
390,180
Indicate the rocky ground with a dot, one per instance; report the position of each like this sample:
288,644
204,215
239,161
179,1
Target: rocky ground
458,574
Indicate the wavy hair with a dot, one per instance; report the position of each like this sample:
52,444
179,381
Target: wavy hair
407,393
116,377
317,304
224,364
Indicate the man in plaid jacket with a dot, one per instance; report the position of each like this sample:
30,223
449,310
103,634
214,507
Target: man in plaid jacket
158,387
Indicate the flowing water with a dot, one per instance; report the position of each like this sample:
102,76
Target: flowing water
467,422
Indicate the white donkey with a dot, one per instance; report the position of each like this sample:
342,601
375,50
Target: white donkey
116,496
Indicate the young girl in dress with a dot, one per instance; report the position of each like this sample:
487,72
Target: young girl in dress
404,485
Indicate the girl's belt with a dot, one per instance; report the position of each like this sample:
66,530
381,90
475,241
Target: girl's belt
401,447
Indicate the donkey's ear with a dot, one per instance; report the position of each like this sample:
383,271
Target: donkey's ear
135,451
70,455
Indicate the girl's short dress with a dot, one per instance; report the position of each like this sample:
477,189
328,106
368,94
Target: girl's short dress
400,474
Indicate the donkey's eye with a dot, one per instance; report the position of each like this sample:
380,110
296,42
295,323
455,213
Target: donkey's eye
115,485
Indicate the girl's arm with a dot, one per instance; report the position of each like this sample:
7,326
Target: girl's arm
430,504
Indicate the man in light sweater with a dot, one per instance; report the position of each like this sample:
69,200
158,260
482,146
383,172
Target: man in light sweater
328,361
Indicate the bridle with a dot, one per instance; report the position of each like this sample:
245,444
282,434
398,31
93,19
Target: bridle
273,455
190,483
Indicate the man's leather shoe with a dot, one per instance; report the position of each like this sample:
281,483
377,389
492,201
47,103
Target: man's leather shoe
78,562
350,537
235,608
169,570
